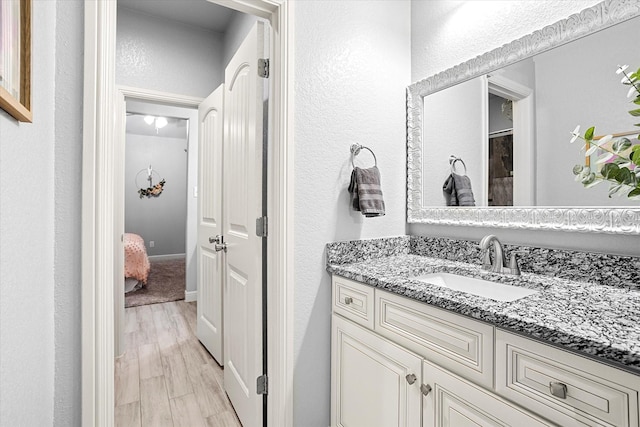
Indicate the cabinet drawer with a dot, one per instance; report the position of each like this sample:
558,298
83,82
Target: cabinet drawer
459,344
353,300
585,392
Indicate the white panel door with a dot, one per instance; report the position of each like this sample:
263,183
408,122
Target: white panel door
210,263
375,382
242,204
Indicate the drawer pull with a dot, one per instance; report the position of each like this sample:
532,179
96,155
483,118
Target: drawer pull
411,378
558,390
348,300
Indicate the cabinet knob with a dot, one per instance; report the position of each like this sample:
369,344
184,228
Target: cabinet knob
558,390
425,389
348,300
411,378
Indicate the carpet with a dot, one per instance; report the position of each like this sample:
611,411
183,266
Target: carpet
166,283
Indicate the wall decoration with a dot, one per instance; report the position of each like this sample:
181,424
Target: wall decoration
152,190
15,58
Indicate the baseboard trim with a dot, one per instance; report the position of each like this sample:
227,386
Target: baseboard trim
190,296
166,257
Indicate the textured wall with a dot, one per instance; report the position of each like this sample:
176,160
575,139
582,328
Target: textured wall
162,219
27,191
446,33
68,215
154,53
352,67
437,44
237,30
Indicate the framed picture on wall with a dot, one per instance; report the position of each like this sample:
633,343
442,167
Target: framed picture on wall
15,58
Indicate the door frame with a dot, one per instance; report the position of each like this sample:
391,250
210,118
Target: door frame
99,209
137,94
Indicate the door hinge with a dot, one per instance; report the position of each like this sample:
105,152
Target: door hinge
261,226
262,384
263,67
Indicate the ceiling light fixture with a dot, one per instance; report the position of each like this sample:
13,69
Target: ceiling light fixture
159,122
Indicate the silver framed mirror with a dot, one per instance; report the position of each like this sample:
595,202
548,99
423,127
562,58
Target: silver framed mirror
602,219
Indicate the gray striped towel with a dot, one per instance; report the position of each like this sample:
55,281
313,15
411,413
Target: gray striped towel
366,193
457,189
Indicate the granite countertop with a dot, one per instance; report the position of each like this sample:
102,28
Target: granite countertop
594,320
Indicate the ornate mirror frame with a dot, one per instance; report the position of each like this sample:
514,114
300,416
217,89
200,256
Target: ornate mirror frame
588,219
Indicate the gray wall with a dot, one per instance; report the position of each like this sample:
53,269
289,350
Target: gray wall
40,229
597,98
437,45
161,219
152,53
67,213
238,28
352,67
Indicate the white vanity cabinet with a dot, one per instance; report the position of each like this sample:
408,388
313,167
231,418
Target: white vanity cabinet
566,388
375,383
456,402
399,362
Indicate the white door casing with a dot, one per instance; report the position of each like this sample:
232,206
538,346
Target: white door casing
242,205
209,326
98,213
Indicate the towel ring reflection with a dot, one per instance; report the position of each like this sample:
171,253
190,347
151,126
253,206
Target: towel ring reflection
355,150
452,161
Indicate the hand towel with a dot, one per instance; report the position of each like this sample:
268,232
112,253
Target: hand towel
458,190
366,193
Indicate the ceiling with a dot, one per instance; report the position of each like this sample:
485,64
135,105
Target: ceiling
200,13
175,128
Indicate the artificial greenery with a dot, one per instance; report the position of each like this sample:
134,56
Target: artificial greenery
620,160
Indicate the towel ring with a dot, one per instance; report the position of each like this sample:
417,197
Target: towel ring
452,161
355,150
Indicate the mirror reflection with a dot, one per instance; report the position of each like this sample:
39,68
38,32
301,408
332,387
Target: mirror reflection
511,127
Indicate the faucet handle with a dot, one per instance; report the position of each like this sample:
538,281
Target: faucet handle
513,263
486,259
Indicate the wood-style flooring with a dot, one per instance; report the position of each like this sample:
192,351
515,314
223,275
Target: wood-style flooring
166,377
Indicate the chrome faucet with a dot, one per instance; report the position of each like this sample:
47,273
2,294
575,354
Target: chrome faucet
497,266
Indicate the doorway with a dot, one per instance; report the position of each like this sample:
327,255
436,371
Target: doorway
99,217
157,149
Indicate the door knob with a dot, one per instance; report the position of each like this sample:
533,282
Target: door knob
217,239
220,247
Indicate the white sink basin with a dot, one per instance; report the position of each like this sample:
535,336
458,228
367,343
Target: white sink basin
483,288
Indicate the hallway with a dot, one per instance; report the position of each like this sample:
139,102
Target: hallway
166,377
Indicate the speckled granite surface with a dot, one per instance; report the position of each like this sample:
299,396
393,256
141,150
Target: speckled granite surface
604,269
589,318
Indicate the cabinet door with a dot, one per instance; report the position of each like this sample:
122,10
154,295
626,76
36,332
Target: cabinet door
455,402
374,382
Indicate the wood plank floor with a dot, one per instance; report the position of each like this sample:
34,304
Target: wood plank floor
166,377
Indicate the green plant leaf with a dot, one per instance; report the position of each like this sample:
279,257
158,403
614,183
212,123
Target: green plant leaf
625,176
634,156
610,171
621,145
577,169
635,113
588,135
633,193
